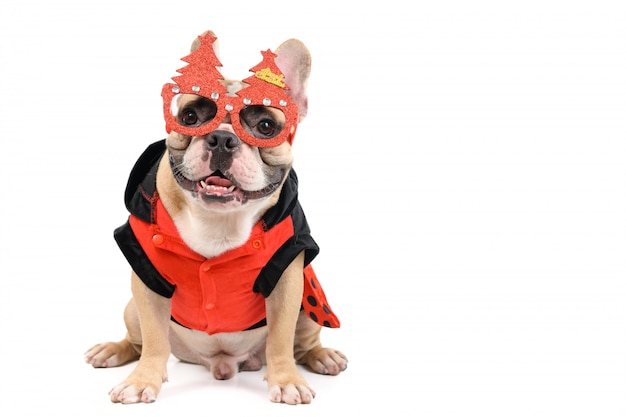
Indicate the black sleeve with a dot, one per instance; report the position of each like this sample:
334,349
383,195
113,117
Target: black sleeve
300,241
140,263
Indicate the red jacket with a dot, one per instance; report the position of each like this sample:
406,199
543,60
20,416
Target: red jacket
224,293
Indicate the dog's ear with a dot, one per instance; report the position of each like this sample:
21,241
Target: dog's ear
216,45
294,60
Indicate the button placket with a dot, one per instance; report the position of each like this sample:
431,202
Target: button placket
208,287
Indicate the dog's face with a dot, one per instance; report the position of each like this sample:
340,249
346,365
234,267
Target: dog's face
219,169
227,159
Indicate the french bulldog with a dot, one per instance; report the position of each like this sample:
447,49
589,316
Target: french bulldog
217,241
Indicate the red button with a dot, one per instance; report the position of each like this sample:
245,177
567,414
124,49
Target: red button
256,244
157,239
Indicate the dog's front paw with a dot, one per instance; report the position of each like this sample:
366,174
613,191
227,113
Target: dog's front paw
131,394
287,386
139,387
291,394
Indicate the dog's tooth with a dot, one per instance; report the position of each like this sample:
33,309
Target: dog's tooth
231,188
203,184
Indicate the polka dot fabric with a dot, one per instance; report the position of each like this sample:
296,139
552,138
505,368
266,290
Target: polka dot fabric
314,301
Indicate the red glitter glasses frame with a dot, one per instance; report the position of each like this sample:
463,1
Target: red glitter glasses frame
226,104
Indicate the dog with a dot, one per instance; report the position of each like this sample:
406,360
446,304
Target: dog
217,241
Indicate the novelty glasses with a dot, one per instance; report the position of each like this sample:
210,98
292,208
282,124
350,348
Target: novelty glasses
262,113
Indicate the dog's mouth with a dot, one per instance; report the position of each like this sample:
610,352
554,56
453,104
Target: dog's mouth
218,188
216,184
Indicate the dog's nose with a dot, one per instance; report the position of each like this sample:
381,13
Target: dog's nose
222,141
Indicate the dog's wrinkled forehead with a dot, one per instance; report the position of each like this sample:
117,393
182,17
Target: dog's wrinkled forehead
265,88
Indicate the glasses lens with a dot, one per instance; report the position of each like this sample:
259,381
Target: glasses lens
262,122
193,111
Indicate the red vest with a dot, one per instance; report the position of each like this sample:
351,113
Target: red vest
225,293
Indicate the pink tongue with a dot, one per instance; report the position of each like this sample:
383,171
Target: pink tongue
218,181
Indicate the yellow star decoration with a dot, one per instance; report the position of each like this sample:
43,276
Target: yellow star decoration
267,75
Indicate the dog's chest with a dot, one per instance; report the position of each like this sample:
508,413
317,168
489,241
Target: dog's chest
210,236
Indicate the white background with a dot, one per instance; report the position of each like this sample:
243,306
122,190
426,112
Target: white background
462,167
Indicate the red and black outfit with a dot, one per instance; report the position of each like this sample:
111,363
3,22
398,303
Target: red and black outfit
224,293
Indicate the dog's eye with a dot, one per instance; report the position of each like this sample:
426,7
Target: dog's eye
262,122
189,117
266,127
196,111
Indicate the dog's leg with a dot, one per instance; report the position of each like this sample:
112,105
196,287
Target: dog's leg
153,312
111,354
283,378
308,349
